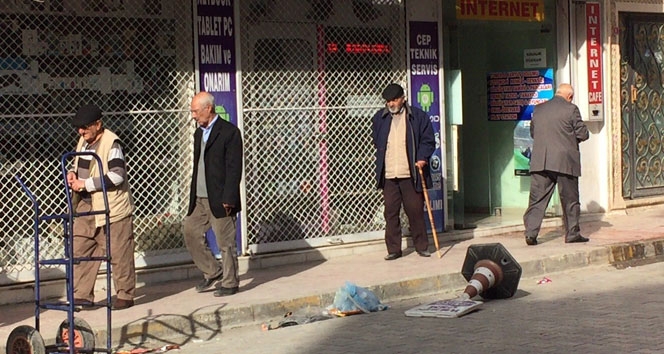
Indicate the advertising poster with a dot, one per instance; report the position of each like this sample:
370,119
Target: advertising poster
523,142
216,55
425,94
513,95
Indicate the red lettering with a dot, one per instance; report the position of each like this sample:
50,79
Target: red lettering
500,8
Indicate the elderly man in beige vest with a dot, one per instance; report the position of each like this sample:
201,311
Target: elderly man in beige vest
89,231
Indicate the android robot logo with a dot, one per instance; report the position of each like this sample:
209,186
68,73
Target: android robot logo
221,111
425,97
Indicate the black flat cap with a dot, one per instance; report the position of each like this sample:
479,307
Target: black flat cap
392,91
86,115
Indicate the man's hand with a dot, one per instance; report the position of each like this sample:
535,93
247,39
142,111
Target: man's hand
71,177
75,184
78,185
421,163
228,208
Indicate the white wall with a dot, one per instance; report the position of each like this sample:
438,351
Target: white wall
594,183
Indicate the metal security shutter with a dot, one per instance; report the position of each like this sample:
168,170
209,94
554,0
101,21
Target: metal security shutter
132,58
312,73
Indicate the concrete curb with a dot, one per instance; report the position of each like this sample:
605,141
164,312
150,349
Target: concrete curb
634,253
210,321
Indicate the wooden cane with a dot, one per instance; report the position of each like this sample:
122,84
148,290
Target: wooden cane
426,200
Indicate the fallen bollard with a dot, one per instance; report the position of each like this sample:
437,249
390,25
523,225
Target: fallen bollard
491,272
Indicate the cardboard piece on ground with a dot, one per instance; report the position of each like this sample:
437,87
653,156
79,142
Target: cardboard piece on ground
444,308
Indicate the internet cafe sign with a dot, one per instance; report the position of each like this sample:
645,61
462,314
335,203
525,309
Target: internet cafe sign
594,52
500,10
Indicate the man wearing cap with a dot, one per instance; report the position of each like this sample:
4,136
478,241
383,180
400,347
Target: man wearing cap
404,140
89,231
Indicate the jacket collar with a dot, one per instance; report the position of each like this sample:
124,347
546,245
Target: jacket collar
386,112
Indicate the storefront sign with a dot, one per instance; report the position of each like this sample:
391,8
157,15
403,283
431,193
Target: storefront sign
216,54
500,10
425,94
513,95
594,55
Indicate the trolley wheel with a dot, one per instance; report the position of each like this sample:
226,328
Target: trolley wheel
25,340
84,337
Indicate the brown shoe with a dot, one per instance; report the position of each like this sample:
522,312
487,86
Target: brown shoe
83,303
121,304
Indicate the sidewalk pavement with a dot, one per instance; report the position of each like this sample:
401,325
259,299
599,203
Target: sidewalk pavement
175,312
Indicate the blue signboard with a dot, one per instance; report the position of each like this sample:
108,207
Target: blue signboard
425,94
216,61
216,55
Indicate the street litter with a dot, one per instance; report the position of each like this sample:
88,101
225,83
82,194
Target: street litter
351,299
302,316
162,349
445,308
544,280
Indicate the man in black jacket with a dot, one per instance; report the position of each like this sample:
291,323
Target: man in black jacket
215,196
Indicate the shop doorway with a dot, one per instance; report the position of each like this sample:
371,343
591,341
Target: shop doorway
484,188
641,81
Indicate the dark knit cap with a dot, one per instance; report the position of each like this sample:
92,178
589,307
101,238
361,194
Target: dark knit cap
392,91
86,115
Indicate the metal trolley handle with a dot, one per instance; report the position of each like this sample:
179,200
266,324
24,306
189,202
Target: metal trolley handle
69,260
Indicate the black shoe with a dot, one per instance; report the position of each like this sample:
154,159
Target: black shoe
226,291
121,304
424,253
207,283
576,239
531,241
392,256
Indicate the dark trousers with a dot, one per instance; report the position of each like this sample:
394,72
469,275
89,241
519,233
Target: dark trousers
195,226
542,184
396,192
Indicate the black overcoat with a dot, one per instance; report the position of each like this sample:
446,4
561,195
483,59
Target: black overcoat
223,167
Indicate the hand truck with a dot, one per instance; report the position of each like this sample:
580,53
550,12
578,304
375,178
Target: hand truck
74,335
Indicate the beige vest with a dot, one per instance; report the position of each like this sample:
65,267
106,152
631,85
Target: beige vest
120,203
396,156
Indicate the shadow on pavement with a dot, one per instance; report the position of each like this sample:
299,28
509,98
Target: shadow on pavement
181,329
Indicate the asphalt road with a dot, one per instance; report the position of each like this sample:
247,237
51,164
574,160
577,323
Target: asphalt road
595,310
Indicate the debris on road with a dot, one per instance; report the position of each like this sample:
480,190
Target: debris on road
302,316
544,281
351,299
162,349
445,308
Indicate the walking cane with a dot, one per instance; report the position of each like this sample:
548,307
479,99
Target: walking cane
426,200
